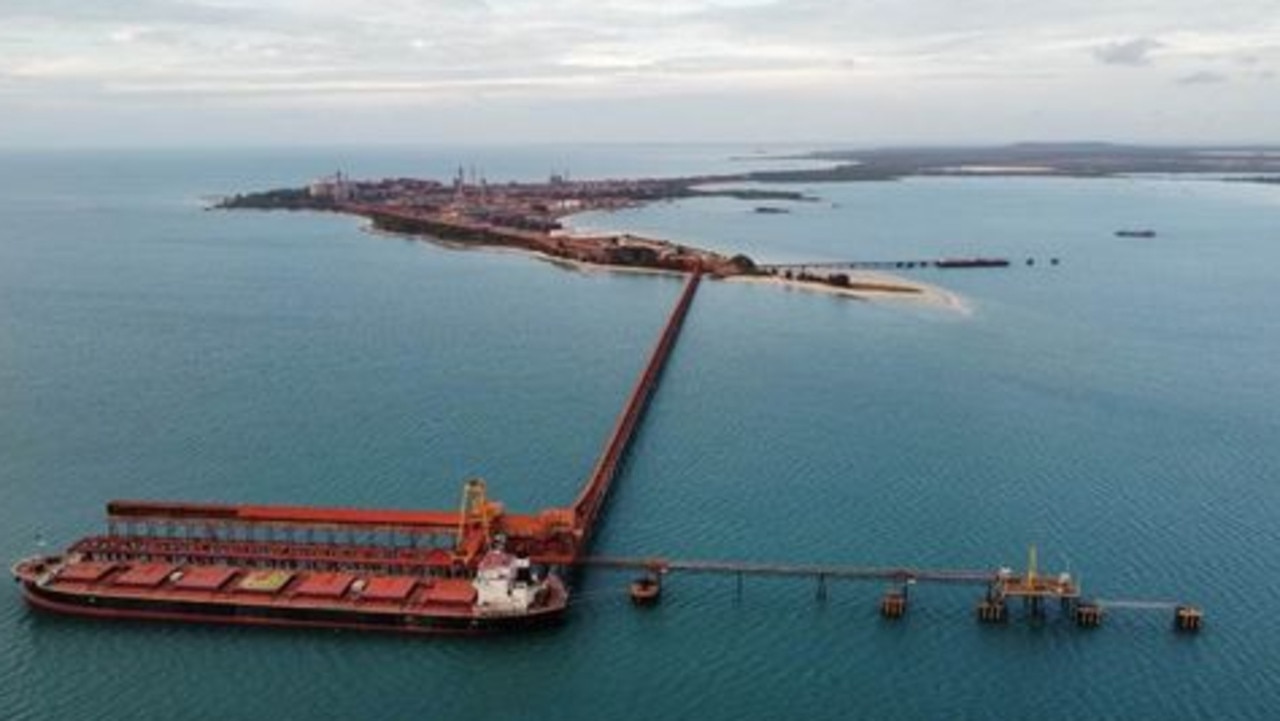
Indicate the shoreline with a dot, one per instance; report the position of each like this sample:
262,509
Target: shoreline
898,288
543,221
908,292
566,263
895,289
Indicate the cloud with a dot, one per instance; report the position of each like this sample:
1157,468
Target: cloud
1202,77
71,13
141,34
926,58
624,45
1133,52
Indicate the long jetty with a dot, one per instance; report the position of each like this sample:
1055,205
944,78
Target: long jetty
449,543
592,497
413,540
908,264
1003,586
852,573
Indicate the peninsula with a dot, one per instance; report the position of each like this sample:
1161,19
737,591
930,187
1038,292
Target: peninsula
1070,160
470,211
526,216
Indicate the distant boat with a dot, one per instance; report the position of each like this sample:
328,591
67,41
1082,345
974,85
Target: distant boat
1143,233
971,263
771,210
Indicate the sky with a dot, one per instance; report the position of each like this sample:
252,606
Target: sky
84,73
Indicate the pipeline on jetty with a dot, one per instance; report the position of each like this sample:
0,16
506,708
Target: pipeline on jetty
941,263
853,573
1003,586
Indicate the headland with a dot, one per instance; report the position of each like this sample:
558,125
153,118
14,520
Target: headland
527,217
471,212
523,216
1067,160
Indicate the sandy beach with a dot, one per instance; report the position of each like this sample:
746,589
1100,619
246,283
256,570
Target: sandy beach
566,263
863,284
896,290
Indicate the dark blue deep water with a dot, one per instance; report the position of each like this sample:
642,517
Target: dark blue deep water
1118,410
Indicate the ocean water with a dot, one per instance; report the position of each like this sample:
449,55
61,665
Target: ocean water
1117,410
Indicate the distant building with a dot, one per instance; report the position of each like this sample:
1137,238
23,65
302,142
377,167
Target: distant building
567,204
336,187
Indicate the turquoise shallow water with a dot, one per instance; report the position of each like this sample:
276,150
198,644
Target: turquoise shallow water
1118,410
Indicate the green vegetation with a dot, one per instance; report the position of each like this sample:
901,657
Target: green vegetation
753,193
278,199
1080,160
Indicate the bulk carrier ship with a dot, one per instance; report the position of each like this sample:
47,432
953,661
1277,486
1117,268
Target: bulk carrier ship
307,567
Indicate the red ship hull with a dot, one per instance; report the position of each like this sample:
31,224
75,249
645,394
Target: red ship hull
101,601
